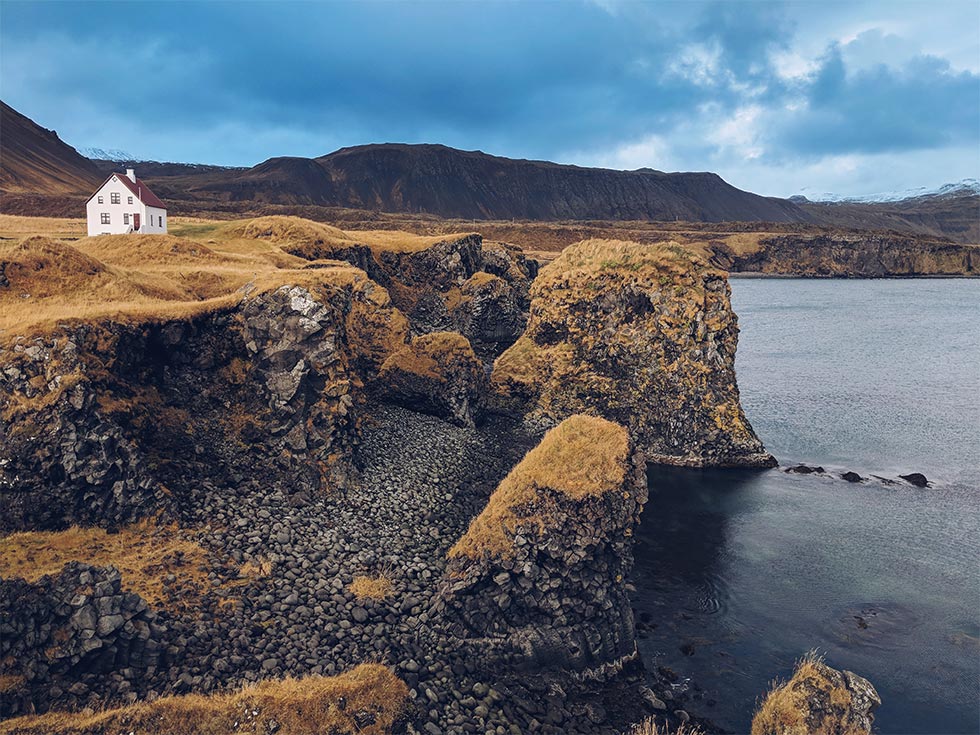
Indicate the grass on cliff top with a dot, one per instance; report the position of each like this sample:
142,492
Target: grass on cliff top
784,710
144,553
374,699
307,238
429,355
597,255
145,278
581,457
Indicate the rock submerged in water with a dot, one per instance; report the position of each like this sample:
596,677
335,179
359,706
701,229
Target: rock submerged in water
802,469
643,335
818,699
916,478
852,477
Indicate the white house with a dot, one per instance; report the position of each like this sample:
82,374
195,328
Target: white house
124,204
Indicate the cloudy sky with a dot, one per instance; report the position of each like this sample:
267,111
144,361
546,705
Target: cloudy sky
783,98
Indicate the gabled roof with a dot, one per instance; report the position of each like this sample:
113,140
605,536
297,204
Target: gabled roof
139,189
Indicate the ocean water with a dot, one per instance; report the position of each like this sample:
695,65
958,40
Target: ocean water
748,570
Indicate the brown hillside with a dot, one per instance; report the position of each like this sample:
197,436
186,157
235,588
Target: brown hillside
36,161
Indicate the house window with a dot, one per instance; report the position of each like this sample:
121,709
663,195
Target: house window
101,200
129,200
161,220
105,218
125,218
115,199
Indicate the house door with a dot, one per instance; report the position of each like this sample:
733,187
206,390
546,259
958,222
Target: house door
136,222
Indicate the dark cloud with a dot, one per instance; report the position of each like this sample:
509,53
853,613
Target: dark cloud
239,82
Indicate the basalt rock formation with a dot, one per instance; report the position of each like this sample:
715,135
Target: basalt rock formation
818,700
99,418
642,335
437,373
442,283
538,582
74,630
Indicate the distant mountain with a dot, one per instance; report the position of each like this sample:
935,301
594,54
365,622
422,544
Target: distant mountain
436,180
447,182
952,211
34,160
103,154
159,169
965,187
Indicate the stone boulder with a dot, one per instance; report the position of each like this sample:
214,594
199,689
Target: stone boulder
438,374
75,627
538,582
818,700
643,335
492,313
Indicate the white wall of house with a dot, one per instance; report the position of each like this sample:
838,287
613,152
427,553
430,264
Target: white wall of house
113,210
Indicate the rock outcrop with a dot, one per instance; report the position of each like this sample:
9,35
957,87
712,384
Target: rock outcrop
437,373
639,334
100,418
443,283
818,700
538,582
71,631
851,255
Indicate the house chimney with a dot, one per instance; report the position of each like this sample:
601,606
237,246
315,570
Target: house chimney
131,174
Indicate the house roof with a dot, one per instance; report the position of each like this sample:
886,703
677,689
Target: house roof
139,189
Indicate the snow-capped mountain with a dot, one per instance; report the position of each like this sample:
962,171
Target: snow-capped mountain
106,154
966,187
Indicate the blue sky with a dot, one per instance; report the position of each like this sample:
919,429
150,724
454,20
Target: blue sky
779,98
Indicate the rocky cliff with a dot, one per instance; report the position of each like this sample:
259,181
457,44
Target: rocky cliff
538,582
842,255
642,335
456,283
107,421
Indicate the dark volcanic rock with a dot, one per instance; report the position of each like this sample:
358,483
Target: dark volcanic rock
916,478
78,626
640,334
852,477
439,374
802,469
538,582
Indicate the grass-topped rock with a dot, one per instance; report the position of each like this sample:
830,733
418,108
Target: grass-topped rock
538,582
639,334
438,374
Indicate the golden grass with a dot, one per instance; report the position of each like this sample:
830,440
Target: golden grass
9,682
596,255
150,278
17,227
429,355
650,727
784,710
308,238
144,553
301,707
142,278
374,587
581,457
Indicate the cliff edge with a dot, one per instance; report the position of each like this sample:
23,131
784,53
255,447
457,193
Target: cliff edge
643,335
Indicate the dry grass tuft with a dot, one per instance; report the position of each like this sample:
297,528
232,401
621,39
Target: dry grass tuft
10,682
650,727
785,710
373,700
144,554
583,456
375,587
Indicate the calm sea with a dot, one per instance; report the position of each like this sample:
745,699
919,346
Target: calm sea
749,570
